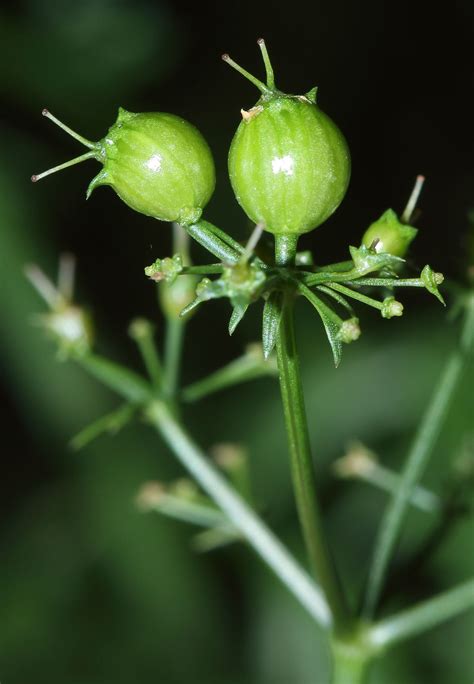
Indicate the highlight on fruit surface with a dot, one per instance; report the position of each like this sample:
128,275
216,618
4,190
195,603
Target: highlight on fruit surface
289,164
157,163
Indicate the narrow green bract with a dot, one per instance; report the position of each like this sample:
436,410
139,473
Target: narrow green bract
289,164
158,164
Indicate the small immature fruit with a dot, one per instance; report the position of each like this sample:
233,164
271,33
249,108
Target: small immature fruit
388,234
289,164
391,234
158,164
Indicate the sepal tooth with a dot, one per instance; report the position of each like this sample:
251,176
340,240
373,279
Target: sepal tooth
102,178
312,94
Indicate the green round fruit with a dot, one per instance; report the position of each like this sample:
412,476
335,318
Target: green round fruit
289,164
157,163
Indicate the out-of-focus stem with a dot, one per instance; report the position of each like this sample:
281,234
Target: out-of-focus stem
417,459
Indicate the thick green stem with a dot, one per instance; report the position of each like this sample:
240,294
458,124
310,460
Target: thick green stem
425,439
304,482
350,662
349,670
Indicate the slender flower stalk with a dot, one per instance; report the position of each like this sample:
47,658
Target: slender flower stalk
423,616
175,326
250,366
174,340
141,331
252,528
240,514
360,463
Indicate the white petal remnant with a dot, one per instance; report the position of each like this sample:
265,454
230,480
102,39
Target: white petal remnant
251,113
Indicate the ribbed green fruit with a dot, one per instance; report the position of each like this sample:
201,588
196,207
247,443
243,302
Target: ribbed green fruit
158,164
289,164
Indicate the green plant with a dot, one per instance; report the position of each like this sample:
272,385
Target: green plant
158,164
220,501
289,164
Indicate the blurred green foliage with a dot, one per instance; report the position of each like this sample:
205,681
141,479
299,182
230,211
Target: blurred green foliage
92,590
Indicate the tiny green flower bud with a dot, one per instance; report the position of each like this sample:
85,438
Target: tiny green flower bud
166,269
184,489
140,329
289,164
150,496
304,258
70,328
158,164
389,235
244,280
67,324
391,308
176,296
230,457
176,291
357,462
349,331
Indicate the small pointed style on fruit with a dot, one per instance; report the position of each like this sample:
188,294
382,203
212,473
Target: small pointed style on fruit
289,163
158,164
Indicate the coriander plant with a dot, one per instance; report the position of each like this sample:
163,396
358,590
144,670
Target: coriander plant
289,166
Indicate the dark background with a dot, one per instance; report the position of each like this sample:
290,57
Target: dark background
92,591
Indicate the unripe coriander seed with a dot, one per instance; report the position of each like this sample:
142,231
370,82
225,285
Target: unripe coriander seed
391,234
289,163
388,234
157,163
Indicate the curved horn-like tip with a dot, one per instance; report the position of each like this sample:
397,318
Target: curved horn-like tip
102,178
